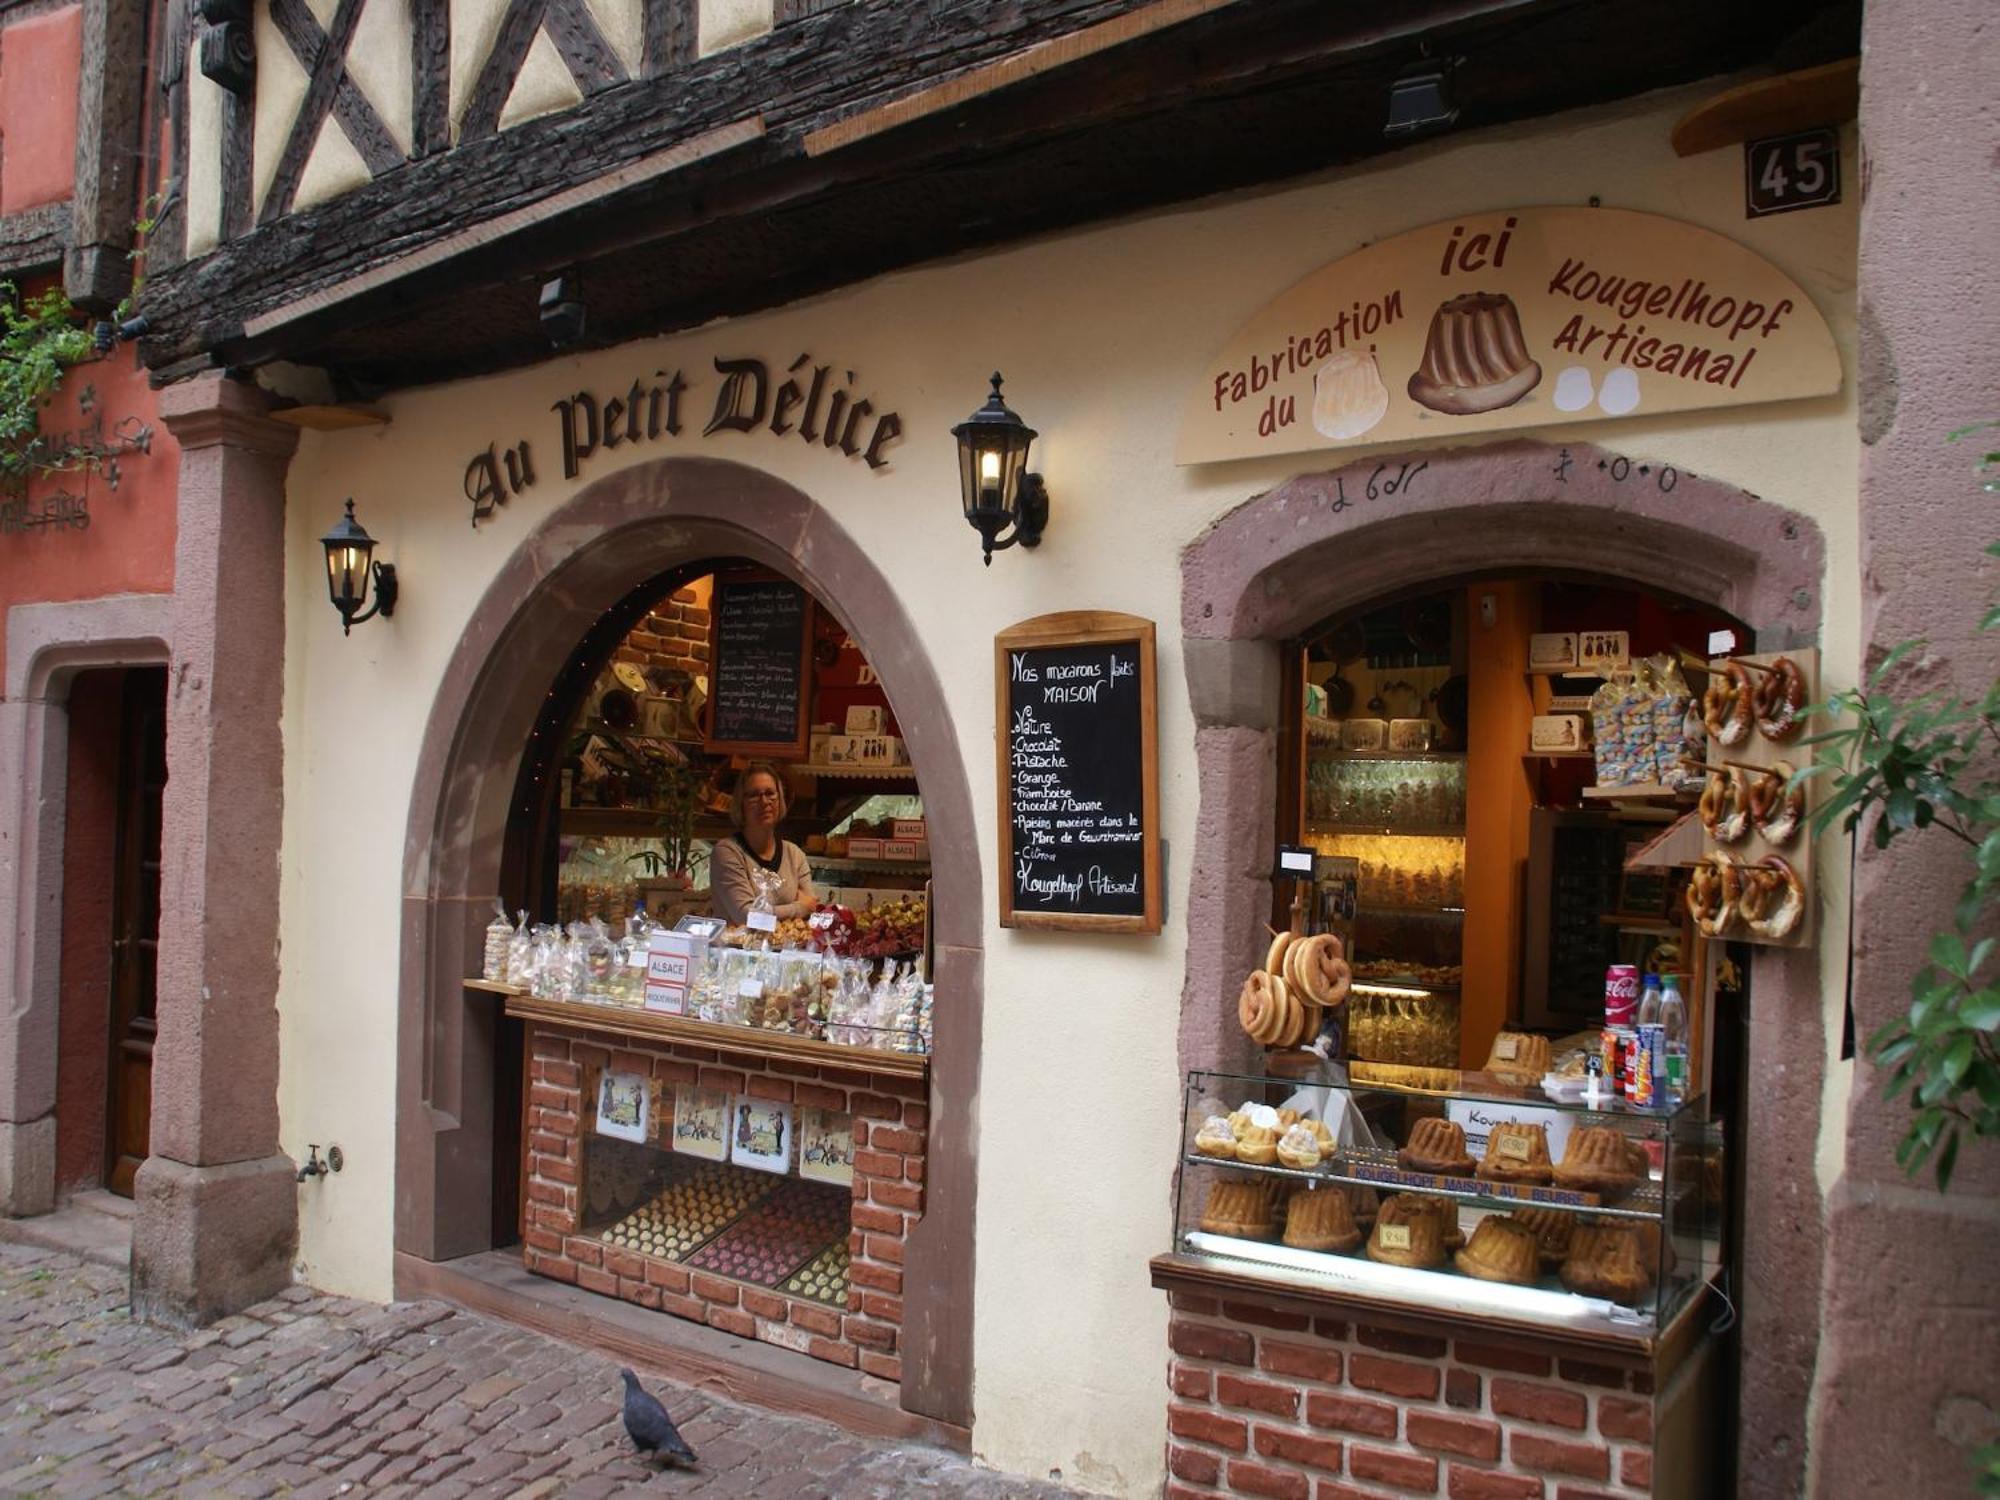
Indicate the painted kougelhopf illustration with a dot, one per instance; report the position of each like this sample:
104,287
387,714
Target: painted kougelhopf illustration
1348,394
1475,357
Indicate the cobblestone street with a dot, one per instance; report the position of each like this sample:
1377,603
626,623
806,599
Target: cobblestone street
307,1395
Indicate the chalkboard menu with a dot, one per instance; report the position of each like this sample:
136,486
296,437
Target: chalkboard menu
760,687
1078,773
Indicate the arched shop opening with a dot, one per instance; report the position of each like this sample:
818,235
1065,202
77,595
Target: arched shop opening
767,1138
1381,684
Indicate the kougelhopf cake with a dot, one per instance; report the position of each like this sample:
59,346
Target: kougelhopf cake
1520,1053
1322,1220
1501,1250
1299,1146
1348,394
1257,1145
1553,1229
1409,1231
1242,1209
1475,357
1216,1138
1609,1260
1596,1161
1436,1146
1517,1152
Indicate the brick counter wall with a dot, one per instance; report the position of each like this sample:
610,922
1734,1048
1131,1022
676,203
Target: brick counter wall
1272,1402
890,1119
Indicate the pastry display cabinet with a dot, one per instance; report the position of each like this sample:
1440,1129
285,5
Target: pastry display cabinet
1494,1202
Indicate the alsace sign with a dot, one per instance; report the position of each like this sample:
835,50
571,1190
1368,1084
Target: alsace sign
813,404
1514,318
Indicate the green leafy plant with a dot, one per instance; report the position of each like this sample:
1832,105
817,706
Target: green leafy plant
40,339
1927,764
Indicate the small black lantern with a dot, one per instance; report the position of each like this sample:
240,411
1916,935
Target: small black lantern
351,568
1004,503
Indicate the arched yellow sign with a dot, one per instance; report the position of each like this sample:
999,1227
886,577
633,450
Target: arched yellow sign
1514,318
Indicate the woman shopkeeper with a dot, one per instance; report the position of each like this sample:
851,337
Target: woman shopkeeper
758,808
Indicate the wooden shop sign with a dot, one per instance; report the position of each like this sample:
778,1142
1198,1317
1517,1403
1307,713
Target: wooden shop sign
817,404
1078,753
1508,319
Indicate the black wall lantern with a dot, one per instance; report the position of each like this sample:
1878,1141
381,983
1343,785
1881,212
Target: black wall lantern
1003,501
351,568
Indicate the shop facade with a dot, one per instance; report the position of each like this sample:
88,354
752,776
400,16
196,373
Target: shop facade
1014,1280
1019,1191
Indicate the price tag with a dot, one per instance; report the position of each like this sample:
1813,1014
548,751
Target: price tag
1504,1048
1514,1147
761,921
820,921
1295,861
751,989
1394,1236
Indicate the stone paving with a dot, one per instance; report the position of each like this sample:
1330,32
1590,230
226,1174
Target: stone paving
309,1396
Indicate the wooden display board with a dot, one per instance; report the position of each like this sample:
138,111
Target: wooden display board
760,638
1076,740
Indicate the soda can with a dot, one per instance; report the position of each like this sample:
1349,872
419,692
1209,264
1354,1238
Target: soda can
1621,994
1647,1059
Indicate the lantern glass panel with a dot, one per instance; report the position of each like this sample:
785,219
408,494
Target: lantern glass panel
347,576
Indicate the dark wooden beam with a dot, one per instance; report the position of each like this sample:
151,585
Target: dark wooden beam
584,51
34,239
499,72
166,246
239,125
356,116
97,272
430,71
671,29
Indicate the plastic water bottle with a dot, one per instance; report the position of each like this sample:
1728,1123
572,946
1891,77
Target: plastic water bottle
1649,1003
1674,1029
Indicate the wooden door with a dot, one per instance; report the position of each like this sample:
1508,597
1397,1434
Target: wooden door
135,924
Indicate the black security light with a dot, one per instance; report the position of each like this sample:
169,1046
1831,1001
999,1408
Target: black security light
351,569
563,314
1420,101
1004,503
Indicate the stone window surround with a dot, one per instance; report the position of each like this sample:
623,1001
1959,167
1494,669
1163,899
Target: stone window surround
47,646
1288,558
611,537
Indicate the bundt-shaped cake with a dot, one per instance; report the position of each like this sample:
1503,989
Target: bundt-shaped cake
1553,1229
1348,394
1322,1220
1475,357
1257,1145
1611,1260
1520,1054
1409,1231
1596,1161
1501,1250
1242,1209
1436,1146
1517,1152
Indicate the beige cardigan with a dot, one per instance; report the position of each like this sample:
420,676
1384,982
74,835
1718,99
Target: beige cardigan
732,889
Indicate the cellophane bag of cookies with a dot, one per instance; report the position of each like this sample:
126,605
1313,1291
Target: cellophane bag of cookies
1611,733
1671,700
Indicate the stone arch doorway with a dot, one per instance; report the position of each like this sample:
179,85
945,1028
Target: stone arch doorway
1322,543
591,552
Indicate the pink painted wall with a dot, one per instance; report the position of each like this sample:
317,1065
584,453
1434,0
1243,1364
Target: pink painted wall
40,60
128,547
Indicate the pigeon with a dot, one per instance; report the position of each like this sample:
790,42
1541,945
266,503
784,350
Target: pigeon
652,1430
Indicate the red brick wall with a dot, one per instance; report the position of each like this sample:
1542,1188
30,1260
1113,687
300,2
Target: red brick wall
675,634
890,1119
1266,1401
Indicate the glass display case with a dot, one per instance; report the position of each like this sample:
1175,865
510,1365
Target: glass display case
1401,816
1494,1200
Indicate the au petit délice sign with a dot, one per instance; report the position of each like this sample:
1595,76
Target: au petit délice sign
817,404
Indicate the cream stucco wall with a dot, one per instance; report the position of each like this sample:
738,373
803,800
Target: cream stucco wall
1101,333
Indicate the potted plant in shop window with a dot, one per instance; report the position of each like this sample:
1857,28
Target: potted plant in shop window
1927,764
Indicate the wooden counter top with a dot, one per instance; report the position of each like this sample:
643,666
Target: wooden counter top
744,1041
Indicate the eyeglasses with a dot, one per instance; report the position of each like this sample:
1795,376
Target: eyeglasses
770,796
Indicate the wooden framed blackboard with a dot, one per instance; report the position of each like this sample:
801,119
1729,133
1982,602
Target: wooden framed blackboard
759,665
1077,737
